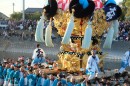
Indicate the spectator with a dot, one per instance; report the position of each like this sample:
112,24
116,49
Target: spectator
5,33
30,28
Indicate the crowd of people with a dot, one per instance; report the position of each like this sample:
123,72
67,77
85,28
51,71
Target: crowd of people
30,72
21,74
124,31
22,25
22,29
18,25
25,30
30,25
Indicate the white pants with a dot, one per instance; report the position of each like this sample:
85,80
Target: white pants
5,83
1,81
91,76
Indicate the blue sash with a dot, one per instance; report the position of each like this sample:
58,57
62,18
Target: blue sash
88,72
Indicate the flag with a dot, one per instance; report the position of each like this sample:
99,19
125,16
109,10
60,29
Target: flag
111,13
98,4
63,4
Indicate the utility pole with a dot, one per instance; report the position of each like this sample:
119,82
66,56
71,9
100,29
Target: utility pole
23,10
13,8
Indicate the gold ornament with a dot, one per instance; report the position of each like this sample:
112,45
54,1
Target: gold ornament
71,62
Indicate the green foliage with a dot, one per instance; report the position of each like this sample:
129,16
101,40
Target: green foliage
16,16
125,10
32,16
127,4
122,17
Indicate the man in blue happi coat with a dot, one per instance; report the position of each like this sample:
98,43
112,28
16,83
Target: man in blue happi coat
1,75
16,75
31,78
59,79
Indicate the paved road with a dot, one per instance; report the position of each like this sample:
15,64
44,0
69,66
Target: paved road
14,48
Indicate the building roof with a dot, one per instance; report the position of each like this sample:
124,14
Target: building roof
33,10
3,16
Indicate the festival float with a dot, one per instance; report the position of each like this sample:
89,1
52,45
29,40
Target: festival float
81,24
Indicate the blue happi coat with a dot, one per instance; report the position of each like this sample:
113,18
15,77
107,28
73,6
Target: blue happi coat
7,74
56,81
39,83
22,81
70,84
83,84
1,72
43,82
78,85
46,82
31,80
11,76
38,60
16,77
4,73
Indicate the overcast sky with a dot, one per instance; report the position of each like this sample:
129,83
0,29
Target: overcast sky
6,6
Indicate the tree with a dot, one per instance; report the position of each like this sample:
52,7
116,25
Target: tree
124,10
31,16
127,5
16,16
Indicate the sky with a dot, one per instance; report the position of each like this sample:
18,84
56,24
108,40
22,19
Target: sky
6,6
